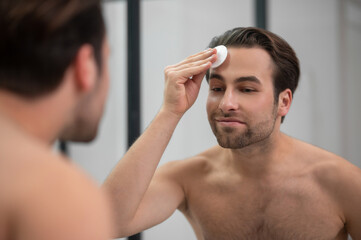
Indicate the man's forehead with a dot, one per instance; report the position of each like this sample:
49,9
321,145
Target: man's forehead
245,62
248,56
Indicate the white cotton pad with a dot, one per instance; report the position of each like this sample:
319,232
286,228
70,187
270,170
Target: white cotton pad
221,55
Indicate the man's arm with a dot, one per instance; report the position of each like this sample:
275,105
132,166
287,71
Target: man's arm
135,207
163,196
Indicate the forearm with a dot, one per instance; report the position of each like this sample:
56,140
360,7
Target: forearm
130,179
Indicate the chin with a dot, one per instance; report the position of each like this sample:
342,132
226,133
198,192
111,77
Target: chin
86,139
79,135
234,142
231,145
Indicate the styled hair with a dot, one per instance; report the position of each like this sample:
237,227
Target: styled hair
40,39
287,70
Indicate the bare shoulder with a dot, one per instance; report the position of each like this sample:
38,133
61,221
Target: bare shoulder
327,165
334,173
341,181
187,173
45,196
195,166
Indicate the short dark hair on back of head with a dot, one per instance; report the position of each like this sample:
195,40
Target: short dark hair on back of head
40,38
287,70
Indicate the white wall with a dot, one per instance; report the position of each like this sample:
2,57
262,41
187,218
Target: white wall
325,34
350,78
310,27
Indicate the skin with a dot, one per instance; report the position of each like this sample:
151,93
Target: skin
258,183
43,195
142,158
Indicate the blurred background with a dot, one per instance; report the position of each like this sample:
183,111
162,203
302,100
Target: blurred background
326,112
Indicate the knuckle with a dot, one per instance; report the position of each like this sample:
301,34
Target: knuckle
171,74
167,70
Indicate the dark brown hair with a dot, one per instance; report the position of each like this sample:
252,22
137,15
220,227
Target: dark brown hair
40,38
287,69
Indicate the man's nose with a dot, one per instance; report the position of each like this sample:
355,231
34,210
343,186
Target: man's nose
229,101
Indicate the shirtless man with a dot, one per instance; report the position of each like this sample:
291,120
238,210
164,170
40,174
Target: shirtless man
53,83
258,183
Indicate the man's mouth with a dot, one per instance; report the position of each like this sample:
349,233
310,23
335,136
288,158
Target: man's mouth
229,121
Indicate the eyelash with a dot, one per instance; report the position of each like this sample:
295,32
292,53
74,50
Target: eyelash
217,89
245,90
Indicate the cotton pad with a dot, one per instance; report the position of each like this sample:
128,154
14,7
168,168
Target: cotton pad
221,55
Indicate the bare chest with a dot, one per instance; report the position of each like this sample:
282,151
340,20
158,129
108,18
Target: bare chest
294,210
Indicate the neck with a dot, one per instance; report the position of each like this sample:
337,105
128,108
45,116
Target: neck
260,158
41,118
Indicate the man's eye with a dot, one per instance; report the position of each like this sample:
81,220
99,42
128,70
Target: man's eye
247,90
217,89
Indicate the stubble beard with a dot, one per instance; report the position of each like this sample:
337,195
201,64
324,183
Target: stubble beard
80,131
84,124
228,137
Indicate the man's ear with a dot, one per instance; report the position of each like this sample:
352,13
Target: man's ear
85,68
284,102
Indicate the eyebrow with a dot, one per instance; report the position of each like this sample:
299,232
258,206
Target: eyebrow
238,80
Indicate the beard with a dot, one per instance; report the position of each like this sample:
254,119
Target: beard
80,130
234,138
84,123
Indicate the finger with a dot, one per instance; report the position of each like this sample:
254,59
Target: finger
203,55
186,73
212,59
199,53
197,79
172,73
199,56
193,58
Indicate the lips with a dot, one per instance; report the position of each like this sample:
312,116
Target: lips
229,121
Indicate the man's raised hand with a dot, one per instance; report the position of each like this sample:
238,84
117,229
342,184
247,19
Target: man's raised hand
183,81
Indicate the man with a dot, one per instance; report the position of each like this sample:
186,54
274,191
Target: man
53,84
258,183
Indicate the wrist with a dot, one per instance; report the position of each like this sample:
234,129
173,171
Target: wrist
169,114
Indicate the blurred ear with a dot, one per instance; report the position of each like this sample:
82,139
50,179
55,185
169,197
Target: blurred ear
284,102
85,68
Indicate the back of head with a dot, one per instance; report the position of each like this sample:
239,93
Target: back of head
40,38
287,70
